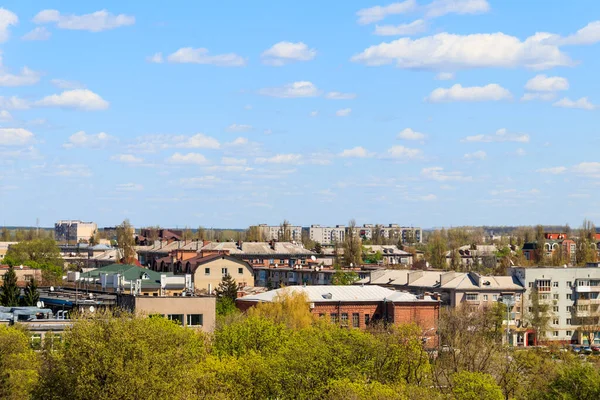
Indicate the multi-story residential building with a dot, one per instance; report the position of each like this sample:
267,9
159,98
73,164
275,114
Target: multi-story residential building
74,230
391,231
554,242
327,234
276,232
573,296
359,306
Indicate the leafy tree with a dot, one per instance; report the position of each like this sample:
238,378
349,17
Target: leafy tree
576,382
436,250
126,242
540,315
585,251
540,248
10,291
285,233
187,234
289,308
318,248
225,306
18,364
40,251
352,245
227,288
31,295
5,235
201,233
475,386
341,277
252,334
255,234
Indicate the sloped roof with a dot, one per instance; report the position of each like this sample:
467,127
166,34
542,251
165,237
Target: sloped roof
329,293
128,271
386,249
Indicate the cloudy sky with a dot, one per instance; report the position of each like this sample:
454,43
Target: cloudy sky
427,113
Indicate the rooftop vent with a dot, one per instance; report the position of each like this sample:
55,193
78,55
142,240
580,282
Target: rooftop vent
327,296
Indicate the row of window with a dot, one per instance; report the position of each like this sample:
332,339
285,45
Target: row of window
344,319
545,284
192,319
224,271
495,297
556,333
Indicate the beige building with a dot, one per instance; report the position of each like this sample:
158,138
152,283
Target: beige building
4,249
24,274
207,272
74,230
193,312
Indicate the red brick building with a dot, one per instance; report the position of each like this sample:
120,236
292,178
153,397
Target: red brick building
359,306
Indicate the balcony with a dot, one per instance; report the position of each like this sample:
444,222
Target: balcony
587,289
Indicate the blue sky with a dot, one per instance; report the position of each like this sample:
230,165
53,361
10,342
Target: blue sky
427,113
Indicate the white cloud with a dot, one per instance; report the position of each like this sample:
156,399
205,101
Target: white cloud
409,29
156,58
14,103
280,159
438,174
501,135
268,131
233,161
240,141
490,92
72,171
129,187
446,51
7,19
478,155
238,128
295,89
520,152
428,197
189,158
286,52
377,13
197,141
66,84
552,170
589,34
82,139
409,134
543,83
344,112
444,76
544,96
15,137
313,113
26,77
127,159
439,8
201,56
340,96
403,153
590,169
5,116
82,99
356,152
583,103
39,33
95,22
198,182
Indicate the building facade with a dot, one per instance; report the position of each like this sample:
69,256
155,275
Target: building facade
276,232
327,234
573,299
74,230
408,235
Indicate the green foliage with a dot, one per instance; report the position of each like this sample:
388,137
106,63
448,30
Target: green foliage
126,242
370,257
576,382
289,308
40,251
436,250
352,246
18,364
540,315
122,357
225,306
476,386
246,335
31,295
318,248
10,291
341,277
227,288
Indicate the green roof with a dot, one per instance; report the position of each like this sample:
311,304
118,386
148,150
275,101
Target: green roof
128,271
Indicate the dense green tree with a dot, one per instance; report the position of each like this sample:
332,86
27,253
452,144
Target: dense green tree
227,288
343,277
225,306
318,248
31,296
18,364
540,315
576,381
10,291
40,251
352,246
436,250
126,242
475,386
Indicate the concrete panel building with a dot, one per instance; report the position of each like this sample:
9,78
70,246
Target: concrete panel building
74,230
275,232
327,234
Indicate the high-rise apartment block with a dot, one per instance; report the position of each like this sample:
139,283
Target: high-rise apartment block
74,230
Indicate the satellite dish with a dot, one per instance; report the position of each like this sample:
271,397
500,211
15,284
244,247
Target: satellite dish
92,309
313,258
39,304
52,288
351,265
21,266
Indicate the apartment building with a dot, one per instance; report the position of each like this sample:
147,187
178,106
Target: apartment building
74,230
554,243
275,232
391,231
327,234
573,295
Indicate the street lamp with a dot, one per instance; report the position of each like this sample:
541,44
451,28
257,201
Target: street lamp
509,302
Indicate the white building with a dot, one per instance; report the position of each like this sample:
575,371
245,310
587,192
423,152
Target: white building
327,234
573,295
391,231
74,230
275,232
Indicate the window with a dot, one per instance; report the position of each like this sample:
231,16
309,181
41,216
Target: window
355,320
333,317
555,308
485,297
569,309
555,296
568,321
530,309
206,271
569,296
569,284
530,284
518,297
554,284
344,319
582,308
224,271
555,321
367,319
569,333
472,297
241,271
195,319
543,285
555,333
176,318
495,297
